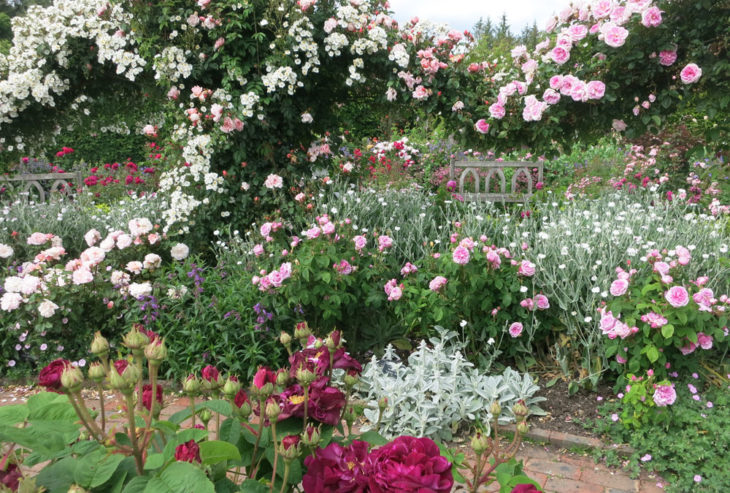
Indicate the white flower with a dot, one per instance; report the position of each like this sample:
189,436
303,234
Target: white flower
47,308
307,118
139,226
152,261
135,266
10,301
6,251
273,181
137,290
180,251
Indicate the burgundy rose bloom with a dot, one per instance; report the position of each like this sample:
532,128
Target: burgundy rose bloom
147,395
50,376
11,477
325,402
409,464
121,365
289,441
187,452
337,469
263,376
211,373
241,398
346,362
315,360
151,335
525,488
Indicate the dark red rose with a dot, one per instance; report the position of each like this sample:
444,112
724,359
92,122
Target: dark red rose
525,488
409,464
263,376
187,452
210,373
346,362
289,441
315,360
121,365
50,376
147,395
151,335
325,403
337,469
10,477
241,398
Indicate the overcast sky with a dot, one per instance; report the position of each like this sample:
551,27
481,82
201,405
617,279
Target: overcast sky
463,14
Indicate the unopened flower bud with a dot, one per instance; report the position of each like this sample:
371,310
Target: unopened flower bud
72,378
350,379
156,351
312,436
191,385
519,408
522,427
479,443
272,409
231,387
382,403
302,331
134,339
495,409
97,372
205,415
333,340
99,345
305,376
285,338
123,376
282,378
289,449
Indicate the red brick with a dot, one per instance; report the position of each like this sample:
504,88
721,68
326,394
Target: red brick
537,476
552,468
562,485
609,480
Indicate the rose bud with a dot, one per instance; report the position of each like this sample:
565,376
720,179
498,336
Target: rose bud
302,332
382,403
231,387
273,410
333,340
99,346
191,386
123,376
97,373
351,378
282,377
312,436
350,416
134,339
495,409
243,404
211,378
156,351
205,416
519,409
479,443
187,452
285,338
305,377
147,398
289,447
50,376
263,383
522,427
72,378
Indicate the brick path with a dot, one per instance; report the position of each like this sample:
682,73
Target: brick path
556,469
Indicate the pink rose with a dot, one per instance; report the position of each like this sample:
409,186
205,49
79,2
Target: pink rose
360,242
652,17
677,296
482,126
273,181
595,89
556,82
528,304
437,283
526,268
690,74
515,329
559,55
577,32
384,242
497,111
551,96
619,287
704,341
461,255
664,395
613,35
258,250
542,302
667,58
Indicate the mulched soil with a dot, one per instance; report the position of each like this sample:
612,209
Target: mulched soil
565,412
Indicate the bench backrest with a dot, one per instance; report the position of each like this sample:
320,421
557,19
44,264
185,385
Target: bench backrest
494,170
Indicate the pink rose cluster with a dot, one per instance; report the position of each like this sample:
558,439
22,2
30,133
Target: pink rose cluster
407,465
273,279
540,302
578,90
613,327
393,290
664,395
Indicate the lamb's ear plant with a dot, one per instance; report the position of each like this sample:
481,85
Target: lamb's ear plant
439,391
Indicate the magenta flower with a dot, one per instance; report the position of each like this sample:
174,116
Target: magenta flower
337,469
515,329
677,296
187,452
482,126
664,395
690,74
384,242
461,255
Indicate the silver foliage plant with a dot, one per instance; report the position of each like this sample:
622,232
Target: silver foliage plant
438,391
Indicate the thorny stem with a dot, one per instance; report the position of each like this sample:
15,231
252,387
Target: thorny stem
86,419
252,471
133,434
276,453
101,404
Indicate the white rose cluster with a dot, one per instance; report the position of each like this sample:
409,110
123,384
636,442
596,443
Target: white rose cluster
172,64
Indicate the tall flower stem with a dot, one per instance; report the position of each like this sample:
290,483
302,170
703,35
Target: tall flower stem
133,434
306,405
192,409
84,417
286,477
148,421
276,453
252,471
101,404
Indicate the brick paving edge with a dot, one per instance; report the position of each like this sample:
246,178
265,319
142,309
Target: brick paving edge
568,440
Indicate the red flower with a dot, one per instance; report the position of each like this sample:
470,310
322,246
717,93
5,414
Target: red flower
121,365
241,398
11,477
187,452
337,469
211,373
50,376
525,488
147,396
289,441
409,464
263,376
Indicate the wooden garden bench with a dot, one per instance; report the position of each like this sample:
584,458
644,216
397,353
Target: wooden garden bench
461,170
29,183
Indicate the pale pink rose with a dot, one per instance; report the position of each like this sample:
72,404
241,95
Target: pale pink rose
313,233
273,181
328,228
602,8
300,197
518,51
47,308
409,268
135,266
520,86
330,24
620,359
619,287
384,242
217,111
179,251
139,226
395,293
559,55
677,296
437,283
556,82
515,329
652,17
689,348
551,96
218,43
38,239
29,285
704,341
621,330
10,301
285,270
607,323
662,268
421,93
577,32
265,229
91,237
667,58
542,302
92,256
482,126
690,73
258,250
152,261
123,241
613,35
528,304
567,85
494,259
275,278
82,276
173,93
461,255
579,91
153,238
664,395
529,67
360,242
497,111
526,268
595,89
6,251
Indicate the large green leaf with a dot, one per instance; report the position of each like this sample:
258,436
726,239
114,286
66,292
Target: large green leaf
212,452
137,485
96,468
58,477
230,430
220,406
180,477
10,415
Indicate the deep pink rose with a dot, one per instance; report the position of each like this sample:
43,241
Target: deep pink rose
525,488
241,398
664,395
691,73
337,469
677,296
461,255
515,329
263,376
667,58
211,373
187,452
50,376
409,464
482,126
